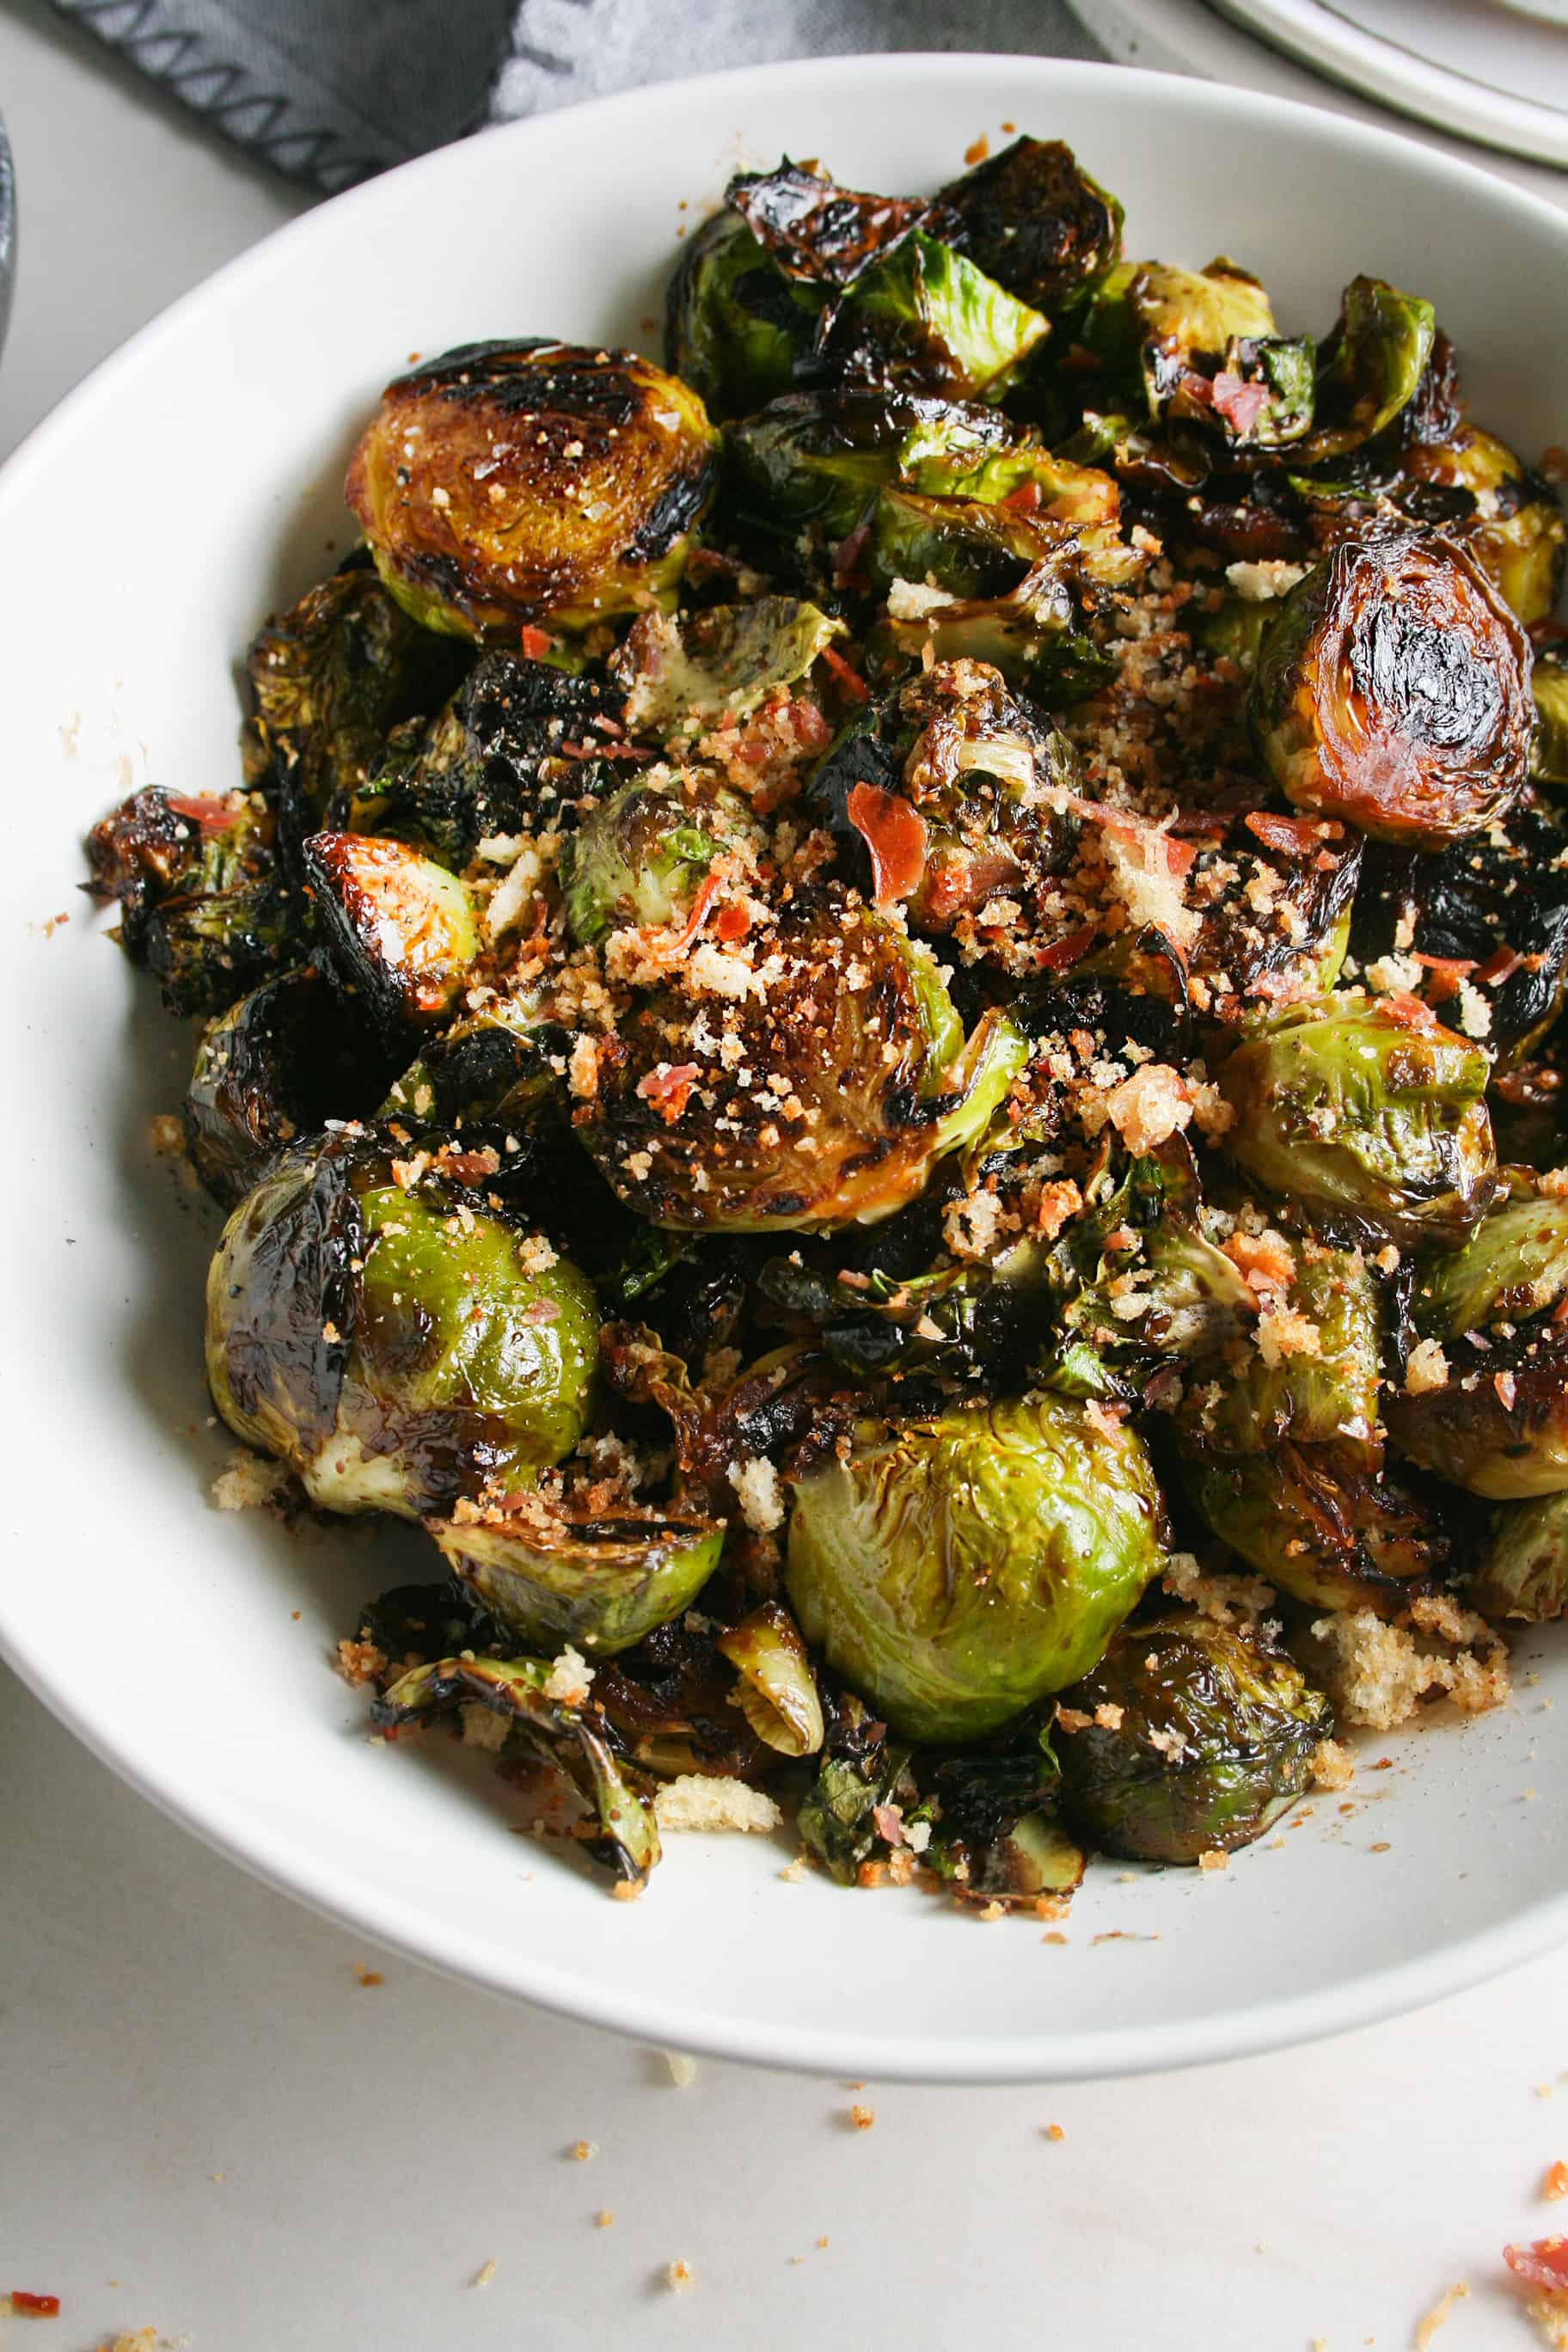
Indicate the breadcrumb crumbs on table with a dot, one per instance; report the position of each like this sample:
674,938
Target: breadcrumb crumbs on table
682,2069
1427,2326
794,1872
695,1801
1333,1767
1215,1859
1554,2181
359,1662
365,1978
860,2118
144,2340
604,2218
248,1482
583,2151
679,2277
1052,2132
1550,2314
485,2272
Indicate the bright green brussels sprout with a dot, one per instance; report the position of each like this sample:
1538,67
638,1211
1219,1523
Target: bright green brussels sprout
400,927
601,1582
1514,1265
1034,220
822,457
1146,323
922,315
1513,526
1371,366
851,1080
1549,686
1498,1422
683,676
1344,1111
201,902
1315,1396
1393,690
639,855
1324,1523
1523,1572
575,1734
1211,1738
327,682
955,1569
271,1069
962,545
529,481
396,1348
736,326
777,1690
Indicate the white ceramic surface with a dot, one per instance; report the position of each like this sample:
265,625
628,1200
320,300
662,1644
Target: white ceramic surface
183,490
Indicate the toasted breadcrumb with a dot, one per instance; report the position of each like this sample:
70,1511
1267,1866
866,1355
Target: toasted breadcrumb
248,1481
1427,1368
604,2218
1053,2132
1555,2183
1377,1673
359,1662
144,2340
679,2277
682,2069
695,1801
1550,2314
860,2118
569,1678
756,1483
365,1978
484,2274
1215,1859
794,1872
1282,1332
1150,1106
1258,584
1333,1767
583,2151
1427,2327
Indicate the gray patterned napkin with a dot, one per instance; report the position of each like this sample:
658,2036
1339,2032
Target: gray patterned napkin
329,91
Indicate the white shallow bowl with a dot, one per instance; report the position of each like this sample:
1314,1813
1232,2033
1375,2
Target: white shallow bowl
192,486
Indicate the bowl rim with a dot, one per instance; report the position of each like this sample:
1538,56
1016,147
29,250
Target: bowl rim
232,1829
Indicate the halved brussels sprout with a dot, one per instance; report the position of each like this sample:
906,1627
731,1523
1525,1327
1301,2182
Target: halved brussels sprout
1393,689
817,1090
272,1067
1208,1738
514,482
955,1569
1035,221
517,739
777,1691
1315,1395
993,1836
962,545
1513,1266
923,315
821,456
1498,1422
1257,394
1548,684
495,1066
1344,1111
1523,1572
736,327
681,676
602,1581
400,927
328,681
1510,519
1324,1523
577,1737
640,855
395,1345
1026,635
1372,365
201,903
1146,323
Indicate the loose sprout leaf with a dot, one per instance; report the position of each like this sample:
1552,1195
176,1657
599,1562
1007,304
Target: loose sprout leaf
819,457
599,1582
1523,1571
923,316
1373,364
681,676
777,1691
574,1735
1513,1266
737,327
1322,1522
1033,218
1473,487
203,905
280,1061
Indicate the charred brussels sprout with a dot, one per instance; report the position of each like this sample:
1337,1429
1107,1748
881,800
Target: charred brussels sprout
1147,324
396,1347
1371,366
1513,1266
602,1581
1213,1738
1273,896
575,1734
1497,1422
1394,690
736,327
1510,519
776,1692
1034,220
496,1066
400,927
1322,1523
1345,1111
683,676
860,1080
822,457
639,856
955,1571
547,482
923,316
271,1069
1523,1572
201,903
1548,684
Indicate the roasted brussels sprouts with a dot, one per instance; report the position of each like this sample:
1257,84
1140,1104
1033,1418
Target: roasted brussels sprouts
1393,690
1147,324
327,682
993,1832
1498,1421
1372,365
1027,634
1510,521
862,1772
1035,221
957,1569
201,904
1317,1394
1197,1738
859,1079
505,483
736,326
575,1734
683,676
924,317
393,1345
822,457
1523,1572
640,855
1346,1111
1273,895
776,1692
274,1066
1324,1523
494,1067
1548,684
603,1581
1513,1266
399,927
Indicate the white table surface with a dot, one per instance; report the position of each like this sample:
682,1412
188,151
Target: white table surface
209,2127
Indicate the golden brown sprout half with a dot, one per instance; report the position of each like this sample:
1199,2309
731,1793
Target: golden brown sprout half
532,481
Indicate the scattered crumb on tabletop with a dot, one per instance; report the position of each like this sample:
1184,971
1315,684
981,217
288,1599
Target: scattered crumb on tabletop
1426,2328
682,2069
583,2150
604,2218
677,2276
367,1976
485,2272
1052,2131
1333,1767
1215,1859
861,2118
1554,2182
